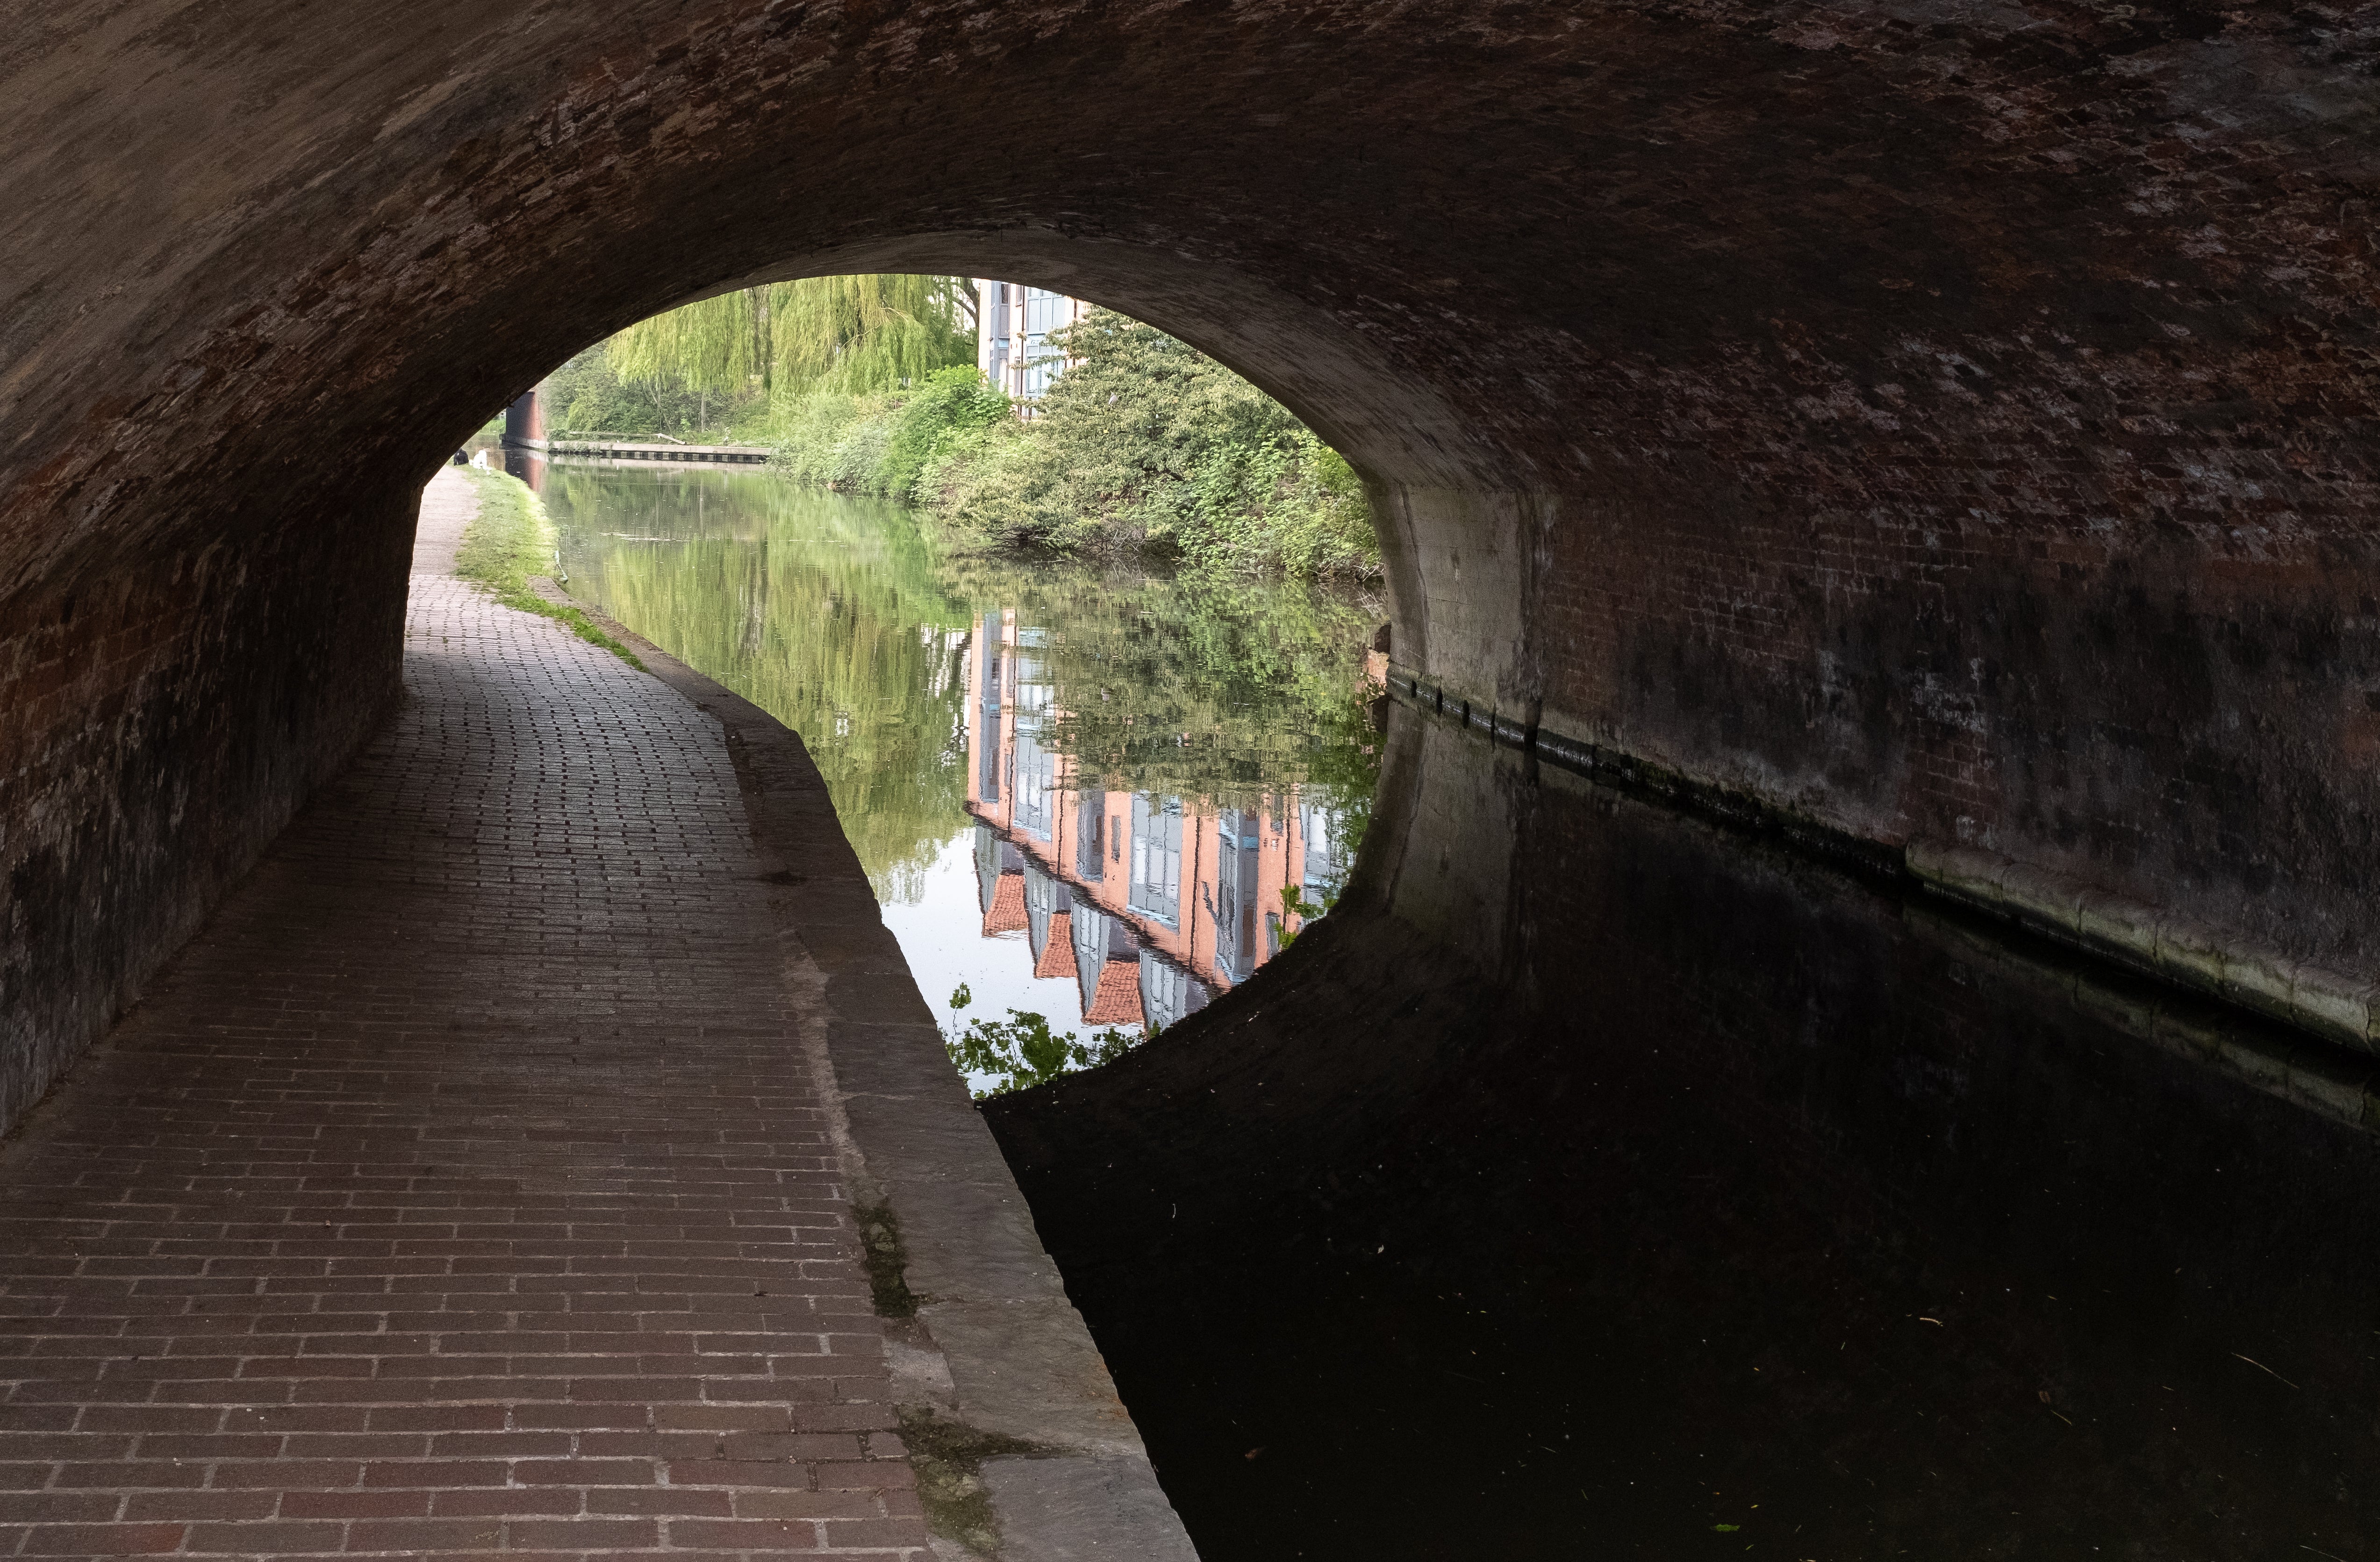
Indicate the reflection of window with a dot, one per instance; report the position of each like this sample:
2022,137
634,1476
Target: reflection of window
1235,894
987,733
1157,858
1089,928
1328,852
1090,835
1168,994
1036,768
987,865
1043,895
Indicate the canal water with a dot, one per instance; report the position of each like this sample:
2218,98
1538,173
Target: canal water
1592,1182
1597,1182
1091,798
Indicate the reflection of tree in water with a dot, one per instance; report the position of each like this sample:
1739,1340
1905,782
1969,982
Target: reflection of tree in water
846,620
1228,694
825,611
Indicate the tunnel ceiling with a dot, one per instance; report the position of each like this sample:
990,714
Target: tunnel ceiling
1942,426
1979,257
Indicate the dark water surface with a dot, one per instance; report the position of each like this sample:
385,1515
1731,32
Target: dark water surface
1591,1182
1597,1183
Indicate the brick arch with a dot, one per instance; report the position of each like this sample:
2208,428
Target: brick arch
1941,423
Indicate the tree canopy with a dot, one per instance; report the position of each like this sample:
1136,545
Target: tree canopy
869,332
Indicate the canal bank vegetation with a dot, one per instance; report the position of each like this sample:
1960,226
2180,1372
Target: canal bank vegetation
510,540
1144,446
587,395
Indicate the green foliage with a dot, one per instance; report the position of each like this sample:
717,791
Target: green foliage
1145,441
718,364
870,332
588,395
1142,445
852,335
880,444
719,343
1022,1048
814,441
511,540
950,405
1294,903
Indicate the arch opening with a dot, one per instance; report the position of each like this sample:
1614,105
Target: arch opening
1093,792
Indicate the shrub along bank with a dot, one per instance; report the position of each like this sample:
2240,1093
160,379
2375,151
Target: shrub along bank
1143,444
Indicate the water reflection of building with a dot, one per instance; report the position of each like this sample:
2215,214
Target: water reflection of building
1153,902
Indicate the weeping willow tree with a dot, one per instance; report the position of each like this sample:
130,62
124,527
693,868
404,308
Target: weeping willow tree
720,345
872,333
850,333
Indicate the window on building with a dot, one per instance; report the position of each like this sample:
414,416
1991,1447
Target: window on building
1038,362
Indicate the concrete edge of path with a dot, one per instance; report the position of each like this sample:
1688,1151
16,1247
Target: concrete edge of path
995,1346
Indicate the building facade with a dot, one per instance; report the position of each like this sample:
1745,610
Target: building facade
1012,327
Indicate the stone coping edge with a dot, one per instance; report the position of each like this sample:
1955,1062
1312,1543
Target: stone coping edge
2337,1007
995,1344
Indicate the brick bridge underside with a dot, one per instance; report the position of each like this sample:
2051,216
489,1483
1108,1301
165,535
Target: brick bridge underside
1947,421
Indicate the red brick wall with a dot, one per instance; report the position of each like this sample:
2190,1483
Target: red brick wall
2180,719
1909,417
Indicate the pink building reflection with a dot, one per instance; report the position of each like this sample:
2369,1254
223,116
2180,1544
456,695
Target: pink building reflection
1153,903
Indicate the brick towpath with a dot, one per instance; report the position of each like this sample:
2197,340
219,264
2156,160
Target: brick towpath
463,1188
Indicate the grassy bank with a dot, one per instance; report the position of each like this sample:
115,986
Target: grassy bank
511,540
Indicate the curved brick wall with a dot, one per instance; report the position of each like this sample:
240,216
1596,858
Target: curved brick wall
1951,422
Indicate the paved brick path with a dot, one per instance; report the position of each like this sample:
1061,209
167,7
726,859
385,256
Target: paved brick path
462,1188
